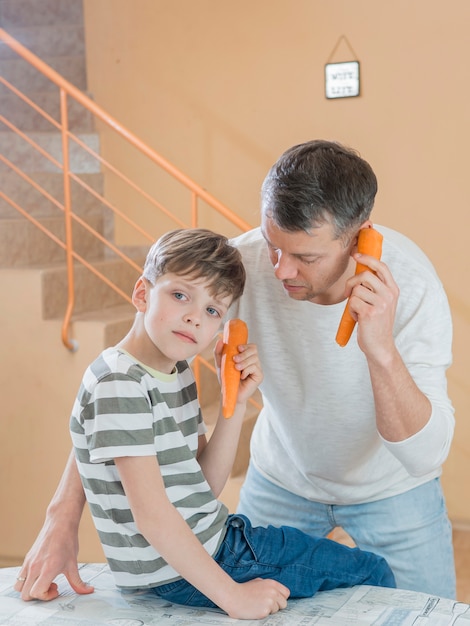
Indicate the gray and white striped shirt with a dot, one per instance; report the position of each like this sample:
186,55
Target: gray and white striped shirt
124,408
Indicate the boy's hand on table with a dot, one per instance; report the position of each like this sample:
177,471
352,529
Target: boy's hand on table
257,598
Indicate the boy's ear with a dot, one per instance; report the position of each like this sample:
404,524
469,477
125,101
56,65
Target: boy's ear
139,295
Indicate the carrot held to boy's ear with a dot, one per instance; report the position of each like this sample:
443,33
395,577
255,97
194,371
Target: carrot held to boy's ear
235,333
369,242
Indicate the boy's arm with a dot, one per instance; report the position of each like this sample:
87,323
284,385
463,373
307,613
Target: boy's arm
166,530
216,457
55,550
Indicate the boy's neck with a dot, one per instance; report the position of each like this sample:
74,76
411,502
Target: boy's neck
138,344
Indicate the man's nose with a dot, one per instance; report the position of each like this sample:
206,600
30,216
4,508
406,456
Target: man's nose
285,267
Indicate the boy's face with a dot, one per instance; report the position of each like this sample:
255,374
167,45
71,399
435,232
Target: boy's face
180,318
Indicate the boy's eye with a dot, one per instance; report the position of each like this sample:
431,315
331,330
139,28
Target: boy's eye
212,311
178,295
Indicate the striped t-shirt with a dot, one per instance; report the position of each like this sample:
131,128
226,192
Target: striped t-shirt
126,409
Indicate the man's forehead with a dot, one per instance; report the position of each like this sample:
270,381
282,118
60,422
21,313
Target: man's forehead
296,238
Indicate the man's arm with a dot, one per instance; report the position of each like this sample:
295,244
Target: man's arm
402,408
55,550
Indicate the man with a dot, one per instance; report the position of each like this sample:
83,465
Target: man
352,436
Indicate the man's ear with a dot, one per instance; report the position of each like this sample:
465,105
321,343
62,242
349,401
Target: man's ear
140,294
365,224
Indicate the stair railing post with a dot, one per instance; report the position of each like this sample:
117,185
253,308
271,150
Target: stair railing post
69,343
194,215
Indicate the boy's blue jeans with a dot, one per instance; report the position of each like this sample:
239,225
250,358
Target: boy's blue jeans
302,563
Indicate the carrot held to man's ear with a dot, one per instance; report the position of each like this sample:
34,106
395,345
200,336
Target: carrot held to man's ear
369,242
235,333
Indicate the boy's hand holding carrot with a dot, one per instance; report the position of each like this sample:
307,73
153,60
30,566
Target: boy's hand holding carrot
239,367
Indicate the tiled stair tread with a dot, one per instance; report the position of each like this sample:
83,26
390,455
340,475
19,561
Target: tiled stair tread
47,40
38,205
40,12
118,313
90,290
115,264
116,321
27,119
22,244
25,77
29,159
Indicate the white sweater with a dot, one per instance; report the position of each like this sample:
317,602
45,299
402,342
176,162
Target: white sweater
316,435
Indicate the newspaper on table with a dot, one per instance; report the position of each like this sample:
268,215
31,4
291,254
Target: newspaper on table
358,606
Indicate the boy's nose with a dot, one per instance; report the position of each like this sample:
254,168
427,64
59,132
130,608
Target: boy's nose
192,317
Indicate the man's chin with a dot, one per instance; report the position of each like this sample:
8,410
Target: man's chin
296,293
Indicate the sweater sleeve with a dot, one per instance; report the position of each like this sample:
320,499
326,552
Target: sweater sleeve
423,337
426,450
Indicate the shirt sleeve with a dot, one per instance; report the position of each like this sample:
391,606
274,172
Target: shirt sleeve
424,339
118,420
427,449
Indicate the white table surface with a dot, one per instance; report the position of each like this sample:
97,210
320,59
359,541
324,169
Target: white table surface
358,606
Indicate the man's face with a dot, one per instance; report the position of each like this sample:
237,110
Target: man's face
311,266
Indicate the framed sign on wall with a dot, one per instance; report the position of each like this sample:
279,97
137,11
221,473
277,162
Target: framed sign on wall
342,80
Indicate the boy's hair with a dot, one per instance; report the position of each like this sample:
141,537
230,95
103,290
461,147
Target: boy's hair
198,253
319,181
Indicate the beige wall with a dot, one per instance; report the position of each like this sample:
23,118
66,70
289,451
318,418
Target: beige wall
222,88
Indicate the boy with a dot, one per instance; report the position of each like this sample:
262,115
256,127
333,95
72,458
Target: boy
150,476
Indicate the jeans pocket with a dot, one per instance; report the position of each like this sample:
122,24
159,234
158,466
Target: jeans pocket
239,539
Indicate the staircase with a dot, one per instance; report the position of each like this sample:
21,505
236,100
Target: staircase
53,29
42,377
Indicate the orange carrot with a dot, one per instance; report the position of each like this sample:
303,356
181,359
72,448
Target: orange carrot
235,333
369,242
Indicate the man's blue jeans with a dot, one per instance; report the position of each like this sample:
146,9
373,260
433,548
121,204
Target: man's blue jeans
411,530
302,563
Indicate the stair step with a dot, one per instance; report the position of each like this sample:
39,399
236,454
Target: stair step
47,40
27,119
40,12
116,320
22,244
90,291
30,160
26,78
37,205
